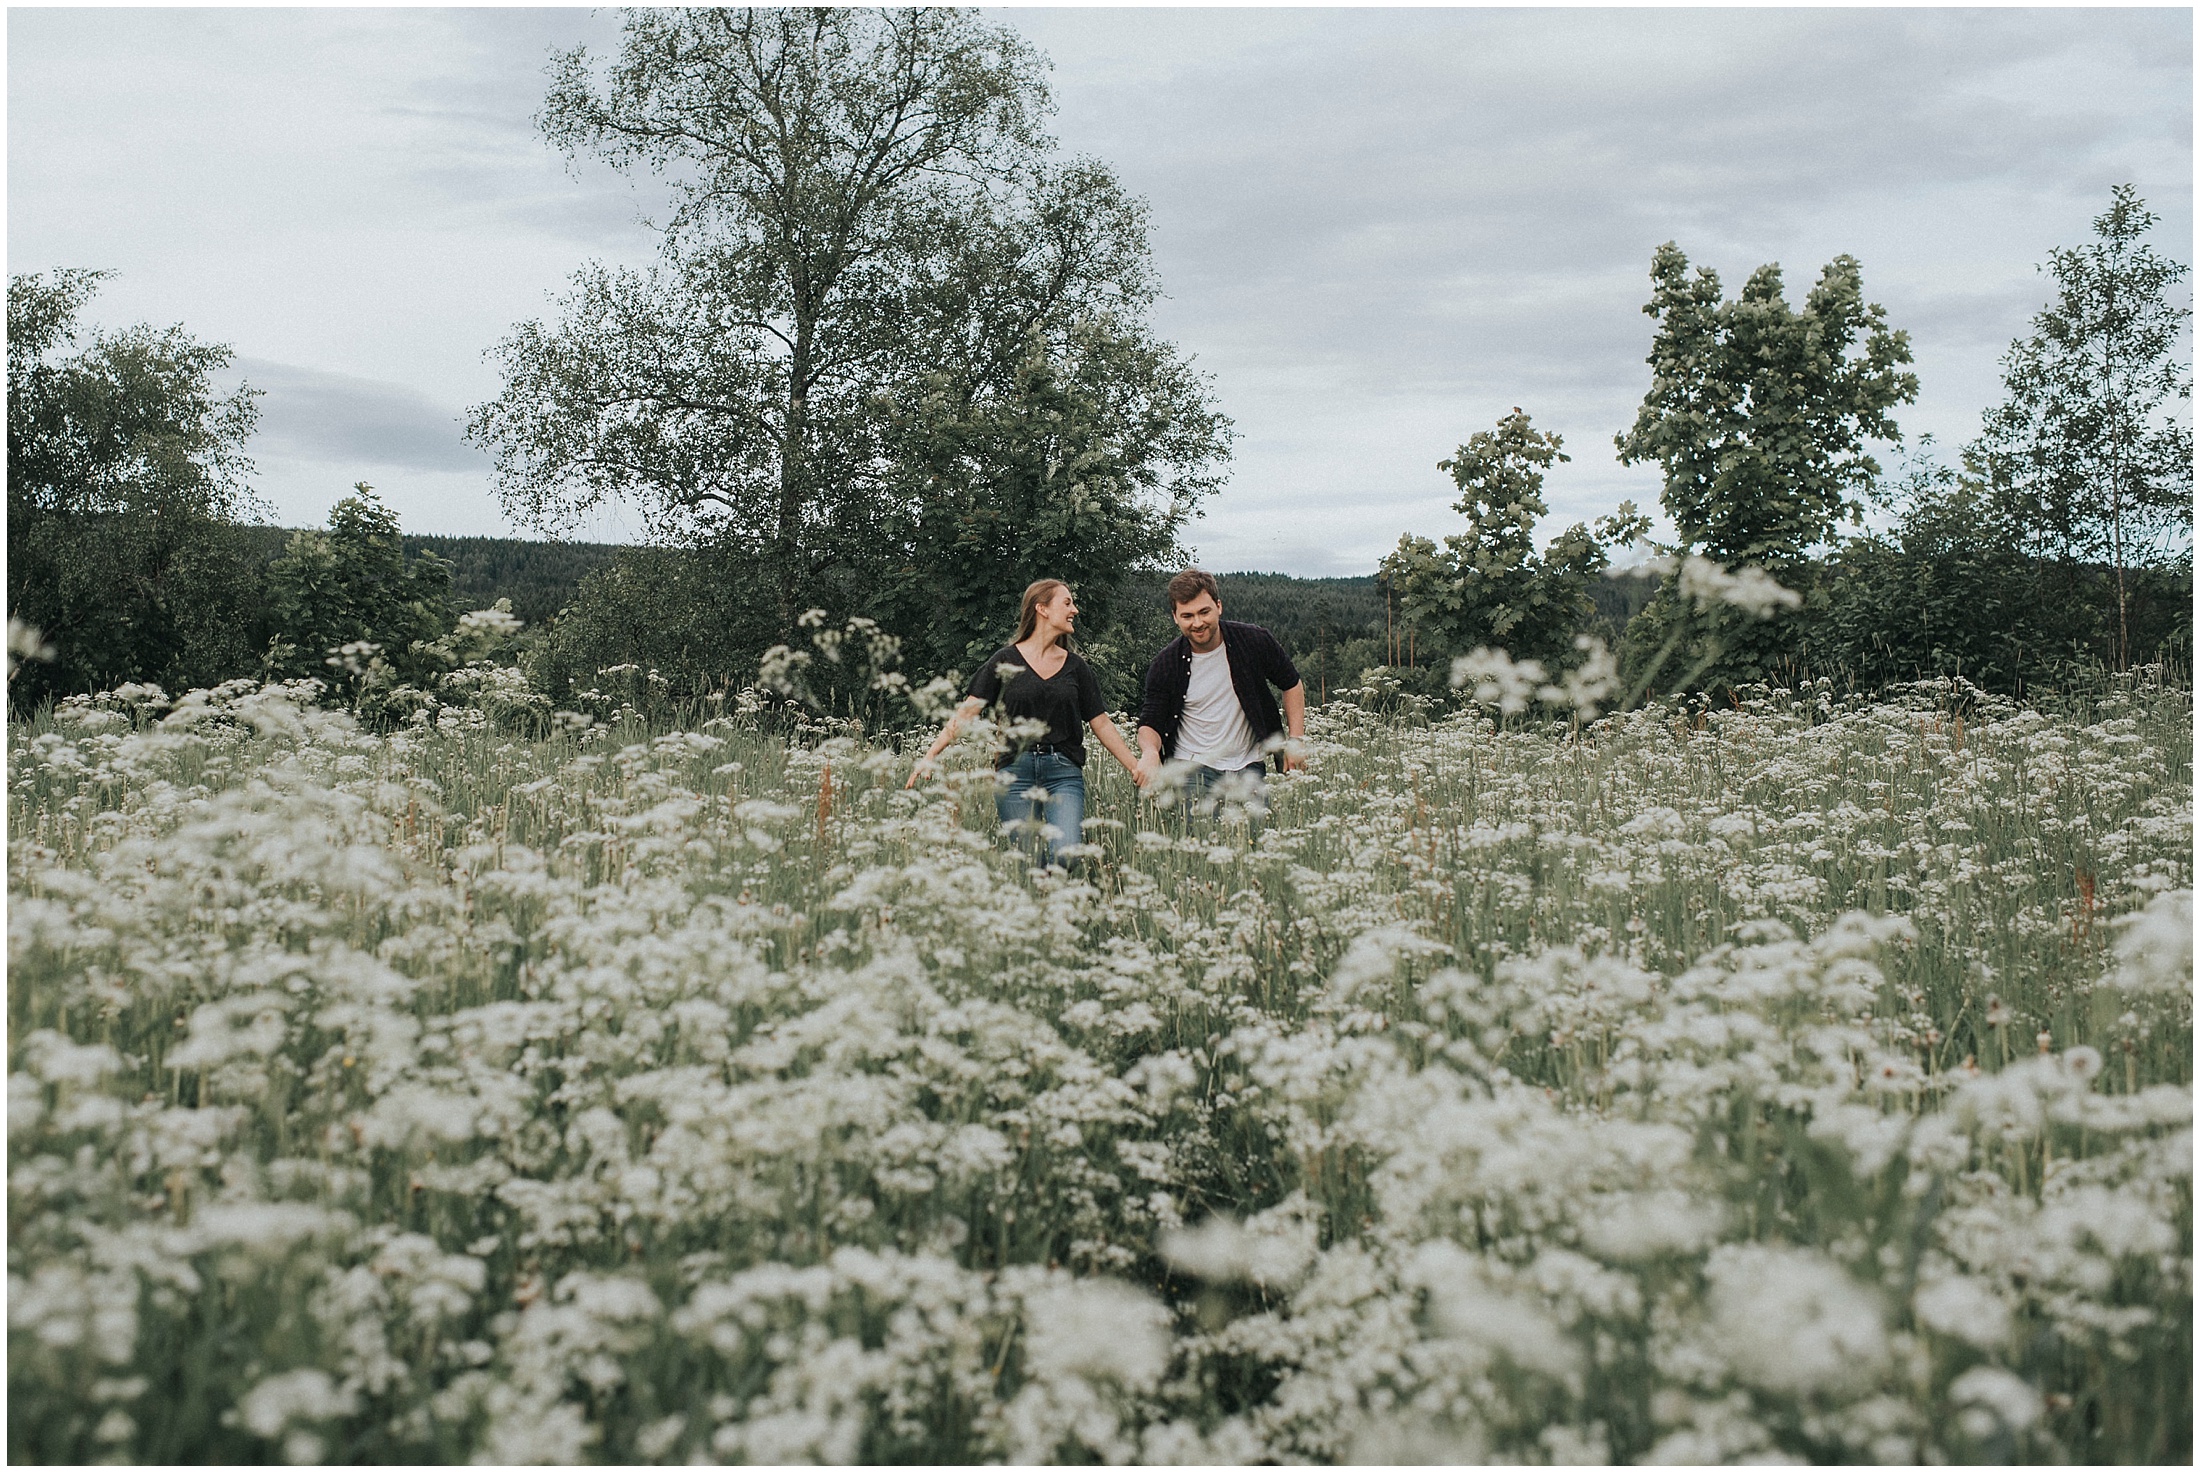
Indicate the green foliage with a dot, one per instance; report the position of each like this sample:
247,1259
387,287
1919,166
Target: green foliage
1618,599
661,614
539,578
869,234
1057,476
1758,414
2064,540
2086,453
1679,644
1951,589
126,479
352,608
1490,586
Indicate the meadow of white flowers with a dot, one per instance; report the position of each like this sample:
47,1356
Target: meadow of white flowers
1807,1079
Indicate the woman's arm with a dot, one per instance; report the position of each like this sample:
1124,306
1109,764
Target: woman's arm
1103,727
970,707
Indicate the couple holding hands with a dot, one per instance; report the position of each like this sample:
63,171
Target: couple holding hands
1207,708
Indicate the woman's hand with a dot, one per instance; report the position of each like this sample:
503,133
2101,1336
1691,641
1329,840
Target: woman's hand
971,706
1103,727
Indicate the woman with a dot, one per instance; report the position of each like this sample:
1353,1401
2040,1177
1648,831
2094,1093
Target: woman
1040,785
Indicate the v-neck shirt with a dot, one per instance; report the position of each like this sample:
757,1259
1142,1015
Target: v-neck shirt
1065,700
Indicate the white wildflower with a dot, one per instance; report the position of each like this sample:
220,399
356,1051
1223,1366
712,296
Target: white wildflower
1792,1321
267,1228
497,623
1587,686
1993,1399
1498,680
56,1059
1272,1248
1750,589
1465,1304
2154,953
1096,1328
1965,1309
1636,1226
270,1408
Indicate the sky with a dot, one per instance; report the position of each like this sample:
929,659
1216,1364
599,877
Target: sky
1379,230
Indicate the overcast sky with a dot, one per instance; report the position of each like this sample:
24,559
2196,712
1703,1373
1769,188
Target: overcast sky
1379,230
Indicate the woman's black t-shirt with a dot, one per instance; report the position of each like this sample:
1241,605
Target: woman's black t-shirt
1065,703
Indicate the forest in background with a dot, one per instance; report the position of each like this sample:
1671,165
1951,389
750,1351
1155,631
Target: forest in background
966,393
1333,627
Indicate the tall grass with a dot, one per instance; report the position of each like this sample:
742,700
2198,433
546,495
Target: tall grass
1806,1078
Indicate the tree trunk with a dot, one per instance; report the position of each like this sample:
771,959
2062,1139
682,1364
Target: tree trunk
790,511
2109,357
2123,597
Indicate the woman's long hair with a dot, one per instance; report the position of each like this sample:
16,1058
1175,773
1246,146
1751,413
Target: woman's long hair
1027,621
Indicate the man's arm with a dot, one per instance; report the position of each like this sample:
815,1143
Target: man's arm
1152,705
1294,723
1152,711
1279,670
1284,676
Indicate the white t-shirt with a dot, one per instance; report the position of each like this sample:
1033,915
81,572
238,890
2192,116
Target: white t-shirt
1213,732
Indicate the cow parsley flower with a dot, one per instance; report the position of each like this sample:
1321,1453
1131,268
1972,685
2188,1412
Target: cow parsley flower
1096,1328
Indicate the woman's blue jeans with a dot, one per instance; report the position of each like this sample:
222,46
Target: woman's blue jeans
1043,794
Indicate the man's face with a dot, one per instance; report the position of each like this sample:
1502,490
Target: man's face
1201,621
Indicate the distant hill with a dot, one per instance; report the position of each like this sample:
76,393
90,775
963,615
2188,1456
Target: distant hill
538,577
1298,611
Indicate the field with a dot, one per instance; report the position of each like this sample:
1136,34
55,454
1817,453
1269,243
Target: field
1805,1079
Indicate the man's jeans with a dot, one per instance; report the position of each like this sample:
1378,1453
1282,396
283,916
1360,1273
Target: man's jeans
1043,794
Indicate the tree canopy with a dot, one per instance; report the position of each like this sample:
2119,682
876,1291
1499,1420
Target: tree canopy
2096,467
347,595
870,238
1759,414
1490,585
126,478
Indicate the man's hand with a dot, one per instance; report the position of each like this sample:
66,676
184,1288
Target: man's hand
1149,758
1292,761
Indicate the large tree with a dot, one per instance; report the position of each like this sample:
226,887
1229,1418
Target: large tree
868,231
2086,447
126,484
1052,474
1761,416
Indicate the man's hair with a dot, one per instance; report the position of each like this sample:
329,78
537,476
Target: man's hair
1190,584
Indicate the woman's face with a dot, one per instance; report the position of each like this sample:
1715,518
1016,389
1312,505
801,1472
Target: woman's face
1060,609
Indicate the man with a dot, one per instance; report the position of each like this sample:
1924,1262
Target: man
1207,701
